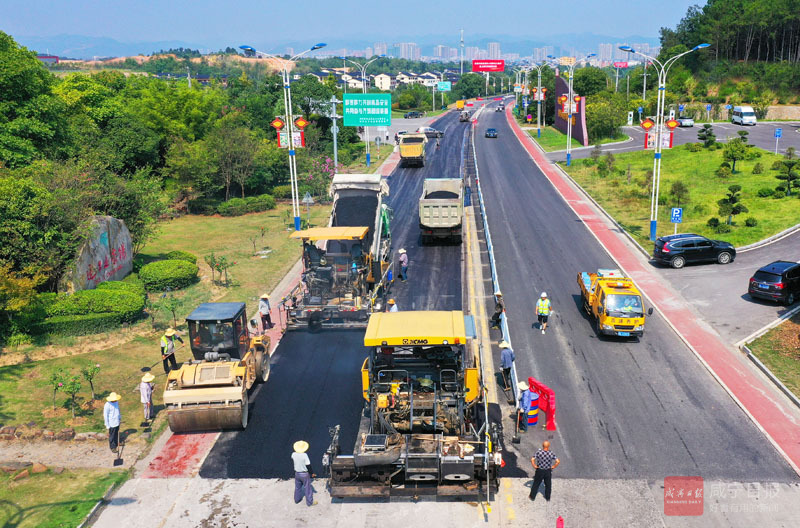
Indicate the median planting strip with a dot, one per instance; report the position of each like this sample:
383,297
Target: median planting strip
769,411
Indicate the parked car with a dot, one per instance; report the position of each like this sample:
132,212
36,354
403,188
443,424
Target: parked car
412,115
491,132
743,115
779,281
430,132
498,109
685,122
678,250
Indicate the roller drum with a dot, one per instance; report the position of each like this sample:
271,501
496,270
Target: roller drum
208,417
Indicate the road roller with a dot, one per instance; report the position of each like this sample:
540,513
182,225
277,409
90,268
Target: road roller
229,356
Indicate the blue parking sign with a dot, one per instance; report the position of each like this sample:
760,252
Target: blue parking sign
641,109
680,108
778,132
677,215
708,107
728,107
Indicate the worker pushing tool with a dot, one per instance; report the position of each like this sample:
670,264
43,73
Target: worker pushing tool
168,350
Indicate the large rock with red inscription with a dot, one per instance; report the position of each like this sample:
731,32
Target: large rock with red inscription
106,255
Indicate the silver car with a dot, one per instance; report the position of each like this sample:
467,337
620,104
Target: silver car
685,122
430,132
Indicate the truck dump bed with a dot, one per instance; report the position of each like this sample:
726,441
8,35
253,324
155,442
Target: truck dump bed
441,208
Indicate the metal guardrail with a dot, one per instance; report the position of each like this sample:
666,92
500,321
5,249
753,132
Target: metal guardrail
492,266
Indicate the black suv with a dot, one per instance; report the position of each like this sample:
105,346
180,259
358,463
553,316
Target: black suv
677,250
412,115
779,281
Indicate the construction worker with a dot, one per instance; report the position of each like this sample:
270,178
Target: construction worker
506,361
393,306
499,308
302,474
403,260
146,395
543,309
112,419
525,398
168,349
264,309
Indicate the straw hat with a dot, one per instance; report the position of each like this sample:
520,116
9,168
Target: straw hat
401,251
301,446
504,344
425,382
113,397
523,385
264,296
147,378
391,301
498,293
170,332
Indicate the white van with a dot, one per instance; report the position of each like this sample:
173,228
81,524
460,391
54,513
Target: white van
743,115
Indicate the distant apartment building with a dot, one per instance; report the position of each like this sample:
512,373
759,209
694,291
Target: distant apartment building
380,48
369,52
407,50
605,52
290,52
453,54
493,50
441,52
540,54
471,52
510,57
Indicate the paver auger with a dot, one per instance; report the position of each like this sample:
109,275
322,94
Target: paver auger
210,391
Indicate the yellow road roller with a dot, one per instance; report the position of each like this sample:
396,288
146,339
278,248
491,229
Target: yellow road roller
210,392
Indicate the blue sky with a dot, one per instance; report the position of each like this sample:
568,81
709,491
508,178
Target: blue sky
218,22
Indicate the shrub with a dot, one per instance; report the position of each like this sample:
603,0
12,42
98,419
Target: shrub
173,274
724,228
694,147
779,194
713,222
724,172
73,325
751,222
725,164
203,206
765,192
240,206
758,168
700,209
776,165
182,255
282,192
753,153
262,202
780,188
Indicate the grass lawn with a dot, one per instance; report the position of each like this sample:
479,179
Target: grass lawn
779,350
398,114
553,139
629,203
47,500
377,156
26,395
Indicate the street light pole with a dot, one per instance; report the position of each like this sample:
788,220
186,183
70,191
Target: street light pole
335,130
570,102
287,104
661,69
364,91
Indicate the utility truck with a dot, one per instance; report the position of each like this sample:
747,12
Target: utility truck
614,302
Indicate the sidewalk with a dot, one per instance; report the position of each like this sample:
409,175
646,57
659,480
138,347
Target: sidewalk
768,409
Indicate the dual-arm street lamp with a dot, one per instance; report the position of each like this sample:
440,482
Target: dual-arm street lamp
570,64
287,104
539,95
364,82
661,69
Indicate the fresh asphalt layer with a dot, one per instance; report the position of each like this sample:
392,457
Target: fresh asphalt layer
761,135
315,382
626,409
719,293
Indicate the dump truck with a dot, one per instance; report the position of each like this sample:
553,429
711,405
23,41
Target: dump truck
425,427
345,265
614,303
210,392
441,209
412,149
460,104
464,116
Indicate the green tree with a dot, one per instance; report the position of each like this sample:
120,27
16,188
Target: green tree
56,381
734,150
706,135
18,299
234,149
470,85
90,372
589,81
789,174
680,192
732,205
72,386
605,114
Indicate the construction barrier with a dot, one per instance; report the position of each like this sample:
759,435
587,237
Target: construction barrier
547,402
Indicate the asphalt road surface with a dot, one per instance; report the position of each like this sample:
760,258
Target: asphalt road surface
762,135
315,382
626,409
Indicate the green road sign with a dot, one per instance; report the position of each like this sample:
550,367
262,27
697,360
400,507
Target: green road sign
367,109
444,86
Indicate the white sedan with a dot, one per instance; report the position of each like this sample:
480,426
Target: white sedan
685,122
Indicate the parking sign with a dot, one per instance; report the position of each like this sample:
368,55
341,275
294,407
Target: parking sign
677,215
778,132
708,107
680,108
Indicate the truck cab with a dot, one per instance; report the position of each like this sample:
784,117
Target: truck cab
614,302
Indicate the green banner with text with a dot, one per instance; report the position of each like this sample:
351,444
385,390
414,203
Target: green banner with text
367,109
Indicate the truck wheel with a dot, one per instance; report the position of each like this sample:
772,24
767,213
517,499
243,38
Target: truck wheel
678,262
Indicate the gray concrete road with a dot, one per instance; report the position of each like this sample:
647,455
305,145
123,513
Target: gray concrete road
627,409
762,135
719,293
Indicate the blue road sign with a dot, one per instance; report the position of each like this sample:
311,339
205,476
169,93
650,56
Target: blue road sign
728,107
708,107
680,108
677,215
778,132
641,109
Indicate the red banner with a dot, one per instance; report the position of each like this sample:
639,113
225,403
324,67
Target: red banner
488,65
620,64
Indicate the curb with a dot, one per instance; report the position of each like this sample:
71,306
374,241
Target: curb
104,499
768,373
630,139
767,241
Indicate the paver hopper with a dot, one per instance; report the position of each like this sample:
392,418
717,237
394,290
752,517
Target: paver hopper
210,391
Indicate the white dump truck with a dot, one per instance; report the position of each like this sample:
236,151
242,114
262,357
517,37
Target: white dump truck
441,209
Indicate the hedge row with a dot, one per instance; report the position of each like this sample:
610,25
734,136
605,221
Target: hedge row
284,192
240,206
172,274
75,325
182,255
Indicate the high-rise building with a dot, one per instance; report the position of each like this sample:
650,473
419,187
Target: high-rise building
493,50
290,52
380,48
605,52
471,52
540,54
441,51
407,50
620,55
453,54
